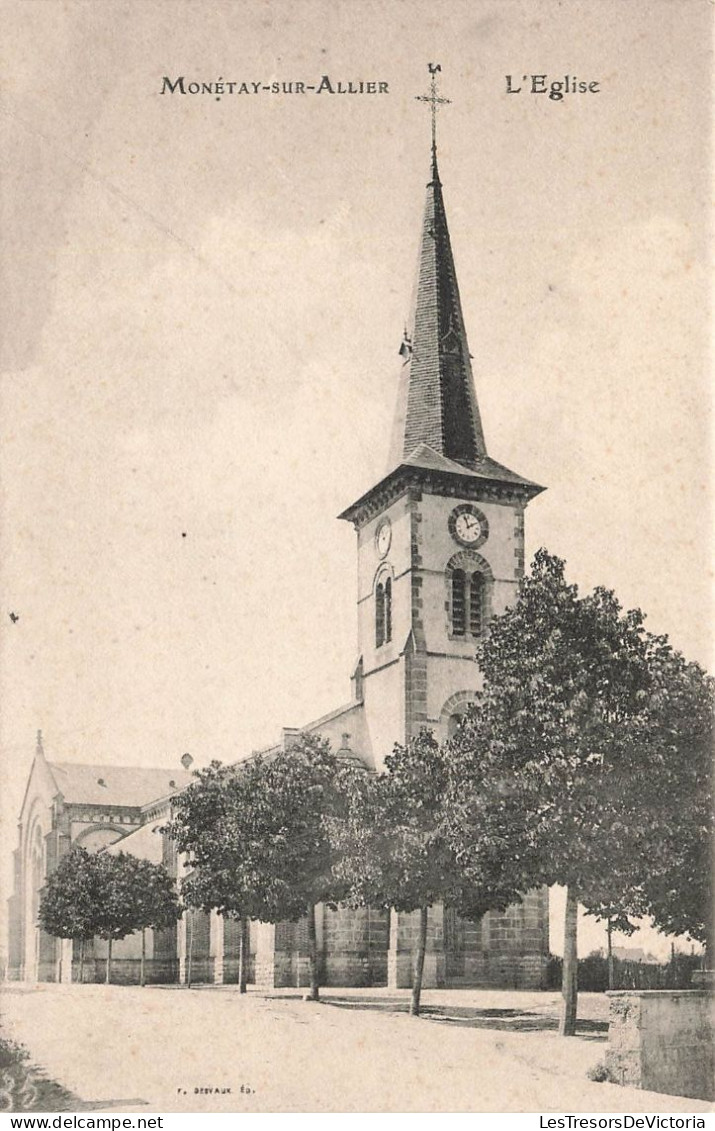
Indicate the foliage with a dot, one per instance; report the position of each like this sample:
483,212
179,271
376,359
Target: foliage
23,1087
395,849
106,895
146,889
600,1073
392,850
678,884
628,974
615,919
72,901
580,753
256,836
12,1053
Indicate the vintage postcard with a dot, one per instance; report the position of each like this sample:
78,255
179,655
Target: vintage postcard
320,320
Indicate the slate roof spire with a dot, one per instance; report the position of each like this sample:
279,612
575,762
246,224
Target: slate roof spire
437,403
437,433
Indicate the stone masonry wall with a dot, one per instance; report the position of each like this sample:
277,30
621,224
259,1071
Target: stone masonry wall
662,1040
355,947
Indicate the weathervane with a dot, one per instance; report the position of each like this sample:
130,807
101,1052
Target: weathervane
435,101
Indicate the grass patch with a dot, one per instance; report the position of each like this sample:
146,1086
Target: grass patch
23,1087
600,1074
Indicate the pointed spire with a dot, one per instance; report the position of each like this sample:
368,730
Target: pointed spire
437,430
437,403
39,749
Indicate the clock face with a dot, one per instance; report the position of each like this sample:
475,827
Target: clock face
468,528
383,537
468,525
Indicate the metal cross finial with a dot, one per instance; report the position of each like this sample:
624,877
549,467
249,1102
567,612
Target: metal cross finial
435,101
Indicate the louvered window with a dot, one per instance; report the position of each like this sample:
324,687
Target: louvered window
459,602
388,609
476,597
379,615
468,593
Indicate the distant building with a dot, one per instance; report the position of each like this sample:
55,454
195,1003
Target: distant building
440,550
633,954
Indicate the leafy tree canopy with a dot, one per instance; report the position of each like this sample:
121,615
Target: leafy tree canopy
591,737
255,834
108,895
72,900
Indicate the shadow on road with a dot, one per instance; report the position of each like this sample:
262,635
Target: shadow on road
107,1105
506,1020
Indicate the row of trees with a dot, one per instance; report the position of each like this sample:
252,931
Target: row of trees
107,896
585,761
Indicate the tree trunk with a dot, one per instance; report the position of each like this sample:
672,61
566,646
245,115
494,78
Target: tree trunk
708,962
142,964
243,957
108,972
314,992
419,964
609,937
569,981
190,947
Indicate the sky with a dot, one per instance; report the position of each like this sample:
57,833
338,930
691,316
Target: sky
205,300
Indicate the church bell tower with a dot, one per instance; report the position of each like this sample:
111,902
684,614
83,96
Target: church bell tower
441,535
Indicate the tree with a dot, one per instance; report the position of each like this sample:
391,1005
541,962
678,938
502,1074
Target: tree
206,891
71,901
106,895
571,736
135,894
677,888
154,901
394,849
256,837
615,921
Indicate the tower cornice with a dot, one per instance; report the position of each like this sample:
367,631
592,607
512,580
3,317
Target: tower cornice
427,472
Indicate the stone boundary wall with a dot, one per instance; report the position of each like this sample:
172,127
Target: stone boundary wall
662,1040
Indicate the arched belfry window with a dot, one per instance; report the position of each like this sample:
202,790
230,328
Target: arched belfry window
459,602
469,580
476,599
379,615
388,610
383,611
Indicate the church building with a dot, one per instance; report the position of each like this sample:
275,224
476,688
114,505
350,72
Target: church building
440,550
